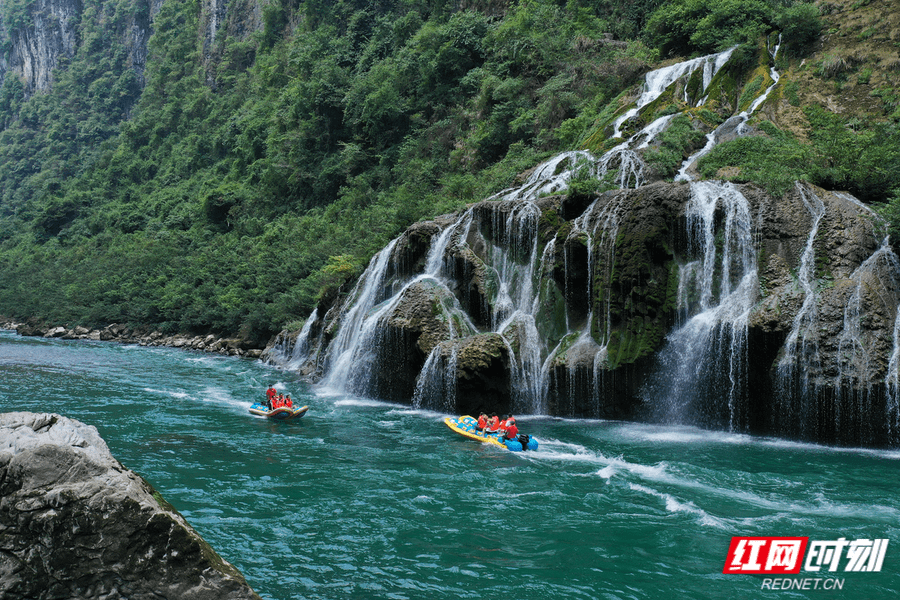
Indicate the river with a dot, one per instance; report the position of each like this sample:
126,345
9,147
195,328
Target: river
361,499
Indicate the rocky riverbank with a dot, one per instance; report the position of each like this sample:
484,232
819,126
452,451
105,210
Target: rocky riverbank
75,523
142,337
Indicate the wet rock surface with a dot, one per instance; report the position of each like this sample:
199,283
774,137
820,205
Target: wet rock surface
75,523
608,281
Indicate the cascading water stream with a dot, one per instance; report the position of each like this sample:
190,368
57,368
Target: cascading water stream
801,350
710,68
773,73
437,378
291,352
892,385
515,302
354,347
689,382
656,82
853,353
549,177
629,165
873,281
739,129
356,324
300,351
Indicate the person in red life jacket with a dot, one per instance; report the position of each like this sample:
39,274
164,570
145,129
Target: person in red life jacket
482,423
494,424
279,401
512,432
270,396
505,423
288,402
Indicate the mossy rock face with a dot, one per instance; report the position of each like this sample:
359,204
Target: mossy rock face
550,318
509,224
411,250
469,281
724,90
549,206
634,297
846,238
483,368
653,110
563,354
571,275
422,312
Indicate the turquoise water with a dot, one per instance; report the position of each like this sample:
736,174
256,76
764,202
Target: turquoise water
362,499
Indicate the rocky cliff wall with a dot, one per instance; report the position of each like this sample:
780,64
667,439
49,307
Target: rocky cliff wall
75,523
38,39
48,31
703,303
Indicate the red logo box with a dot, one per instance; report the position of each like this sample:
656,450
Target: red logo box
765,555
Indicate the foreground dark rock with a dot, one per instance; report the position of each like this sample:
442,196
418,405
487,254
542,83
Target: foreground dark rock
75,523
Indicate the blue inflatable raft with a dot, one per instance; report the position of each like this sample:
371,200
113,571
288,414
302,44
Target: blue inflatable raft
466,426
280,413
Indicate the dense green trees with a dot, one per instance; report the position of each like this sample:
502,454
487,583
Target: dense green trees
250,176
219,199
681,27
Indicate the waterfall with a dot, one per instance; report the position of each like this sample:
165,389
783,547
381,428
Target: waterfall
738,123
656,82
704,360
512,258
602,229
853,351
853,386
892,383
436,384
801,350
357,325
799,338
292,352
351,355
551,330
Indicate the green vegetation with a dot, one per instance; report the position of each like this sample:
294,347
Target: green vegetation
774,161
865,162
683,27
675,144
245,180
240,179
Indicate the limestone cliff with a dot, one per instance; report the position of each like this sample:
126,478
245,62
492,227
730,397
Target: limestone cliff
38,39
703,303
40,36
75,523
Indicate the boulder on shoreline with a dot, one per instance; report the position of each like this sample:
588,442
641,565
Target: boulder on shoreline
75,523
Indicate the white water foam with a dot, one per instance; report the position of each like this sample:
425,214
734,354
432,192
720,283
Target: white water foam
673,505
